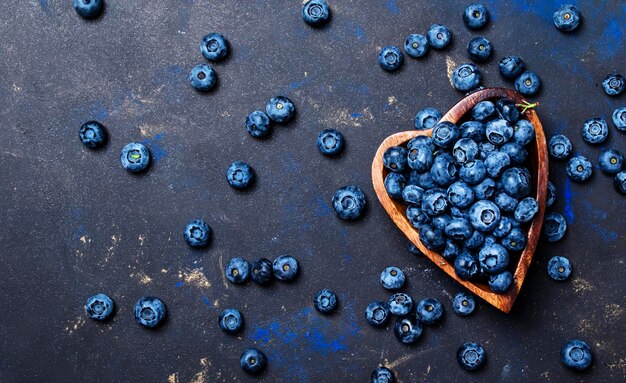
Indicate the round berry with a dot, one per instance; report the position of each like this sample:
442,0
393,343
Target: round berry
214,47
559,147
252,361
493,258
576,355
99,307
429,310
484,215
483,111
463,304
620,182
595,131
523,132
237,270
400,304
377,313
438,36
466,77
471,356
566,18
515,241
526,209
230,321
92,134
479,49
499,131
285,268
559,268
516,182
203,78
475,16
427,118
466,265
611,161
416,46
135,157
330,142
408,329
412,194
349,202
395,159
197,233
500,283
390,58
392,278
240,175
262,271
528,83
554,227
88,9
460,194
149,312
619,118
473,172
551,198
258,124
614,84
280,109
316,12
511,67
325,301
382,375
579,169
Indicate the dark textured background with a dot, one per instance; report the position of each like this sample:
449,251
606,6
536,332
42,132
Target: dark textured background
73,222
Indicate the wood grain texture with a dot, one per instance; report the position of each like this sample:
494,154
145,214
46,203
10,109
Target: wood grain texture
538,155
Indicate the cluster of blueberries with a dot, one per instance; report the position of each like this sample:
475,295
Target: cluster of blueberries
149,311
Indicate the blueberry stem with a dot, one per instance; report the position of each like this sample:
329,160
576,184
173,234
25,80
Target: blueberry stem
525,105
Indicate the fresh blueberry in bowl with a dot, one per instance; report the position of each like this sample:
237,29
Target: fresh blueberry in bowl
400,304
262,271
473,242
576,354
459,229
439,36
466,77
579,169
285,268
528,83
504,227
559,147
443,171
493,258
237,270
516,182
426,119
473,172
460,194
559,268
441,221
316,12
135,157
88,9
377,313
390,58
382,375
595,131
526,209
240,175
523,132
408,329
486,189
349,202
479,49
614,84
230,321
280,109
214,47
515,240
258,124
451,250
505,202
483,111
551,197
92,134
432,237
620,182
507,110
485,149
445,134
611,161
554,227
496,163
619,118
197,233
499,131
203,78
484,215
500,283
325,301
149,312
474,130
416,216
252,361
434,202
465,150
330,142
99,307
429,310
392,278
511,67
475,16
395,159
412,194
420,158
566,18
463,304
416,45
471,356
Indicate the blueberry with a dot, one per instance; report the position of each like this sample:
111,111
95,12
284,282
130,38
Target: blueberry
390,58
515,241
262,271
559,268
285,268
505,202
135,157
377,313
459,229
576,355
474,130
408,329
579,168
88,9
465,150
443,171
516,152
92,134
439,36
349,202
496,163
395,159
429,310
526,209
500,283
516,182
400,304
551,194
451,250
240,175
507,110
523,132
463,304
485,149
493,258
499,131
258,124
528,83
441,221
434,202
504,227
460,194
475,240
197,233
416,45
484,215
479,49
99,307
316,12
252,361
445,134
237,270
427,118
554,227
149,312
425,180
559,147
412,194
394,184
620,182
325,301
466,77
611,161
230,321
566,18
432,237
486,189
511,67
483,111
595,130
475,16
330,142
470,356
392,278
414,249
203,78
613,84
382,375
214,47
466,266
619,118
473,172
422,139
416,216
280,109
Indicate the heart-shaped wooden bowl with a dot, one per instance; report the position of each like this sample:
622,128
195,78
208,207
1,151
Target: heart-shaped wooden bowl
538,155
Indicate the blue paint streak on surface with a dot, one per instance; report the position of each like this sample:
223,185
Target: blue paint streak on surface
568,196
597,215
613,36
156,149
206,300
99,111
321,208
298,84
44,5
179,284
359,32
392,6
356,115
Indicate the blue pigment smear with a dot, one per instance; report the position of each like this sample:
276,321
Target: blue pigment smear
320,207
356,115
44,5
179,284
391,5
358,32
568,196
206,300
156,149
612,37
99,111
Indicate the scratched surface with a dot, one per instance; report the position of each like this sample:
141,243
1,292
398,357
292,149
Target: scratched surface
73,222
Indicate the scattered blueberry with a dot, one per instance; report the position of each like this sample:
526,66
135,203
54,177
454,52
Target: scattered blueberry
238,270
500,283
377,313
559,268
429,310
240,175
149,312
528,83
214,47
135,157
88,9
427,118
416,45
316,12
463,304
475,16
99,307
92,134
611,161
614,84
197,233
382,375
466,77
439,36
262,271
325,301
390,58
349,202
576,355
392,278
408,329
330,142
595,131
620,182
203,77
252,361
258,124
280,109
230,321
554,227
579,168
559,147
479,49
285,268
619,118
471,356
400,304
395,159
566,18
511,67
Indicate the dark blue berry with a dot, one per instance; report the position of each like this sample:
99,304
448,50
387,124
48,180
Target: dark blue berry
427,118
579,168
438,36
149,312
475,240
613,84
471,356
197,233
325,301
451,250
316,12
416,45
559,268
392,278
460,194
486,189
505,202
566,18
528,83
595,131
400,304
429,311
88,9
280,109
412,194
465,150
474,130
441,221
473,172
485,149
483,111
523,132
526,209
619,118
262,271
330,142
559,147
203,78
554,227
516,152
285,268
395,159
576,355
466,77
443,171
514,241
92,134
620,182
420,158
504,227
422,140
416,216
99,307
432,237
382,375
252,361
493,258
459,229
230,321
135,157
463,304
377,313
390,58
496,163
516,182
499,131
445,134
214,47
349,202
479,49
408,329
484,215
475,16
425,180
507,110
258,124
434,202
500,283
466,265
414,249
240,175
511,66
551,197
237,270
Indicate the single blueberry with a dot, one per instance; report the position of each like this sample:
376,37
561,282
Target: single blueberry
486,189
614,84
499,131
445,134
392,278
230,321
611,161
349,202
466,77
237,270
316,12
559,147
514,241
460,194
620,182
197,233
382,375
429,311
507,110
474,130
483,111
485,149
280,109
496,163
377,313
475,240
262,271
500,283
408,329
526,209
528,83
473,172
426,119
330,142
479,49
420,158
203,78
434,202
149,312
566,18
493,258
390,58
523,132
459,229
423,140
240,175
619,118
475,16
504,227
285,268
484,215
551,194
579,168
325,301
432,237
99,307
595,131
451,250
576,355
554,227
465,150
412,194
214,47
559,268
425,180
441,221
88,9
258,124
92,134
471,356
400,304
443,171
135,157
466,266
516,182
416,45
505,202
516,152
463,304
511,67
252,361
439,36
395,159
416,216
394,184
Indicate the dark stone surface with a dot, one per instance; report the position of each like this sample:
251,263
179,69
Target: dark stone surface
74,223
